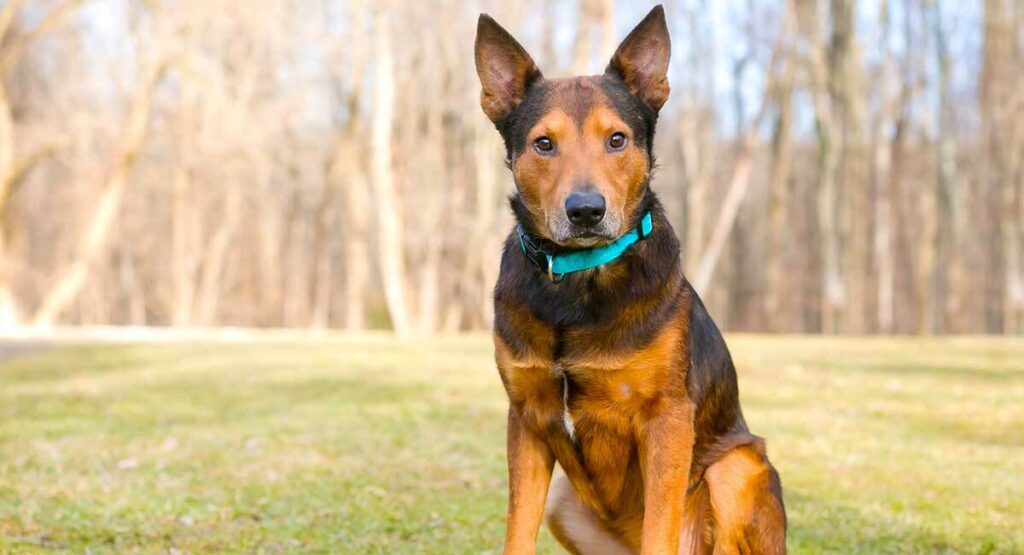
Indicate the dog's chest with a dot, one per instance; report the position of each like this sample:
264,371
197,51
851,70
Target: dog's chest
561,396
613,390
591,422
590,408
591,403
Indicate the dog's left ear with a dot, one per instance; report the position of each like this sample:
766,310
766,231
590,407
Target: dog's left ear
641,61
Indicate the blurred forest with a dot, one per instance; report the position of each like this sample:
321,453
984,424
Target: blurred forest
830,165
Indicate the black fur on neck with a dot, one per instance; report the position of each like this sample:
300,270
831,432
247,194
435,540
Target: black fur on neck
581,299
523,216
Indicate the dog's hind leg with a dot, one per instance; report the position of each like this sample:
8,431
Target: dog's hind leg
575,526
746,503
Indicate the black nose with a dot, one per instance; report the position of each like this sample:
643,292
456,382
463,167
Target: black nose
585,208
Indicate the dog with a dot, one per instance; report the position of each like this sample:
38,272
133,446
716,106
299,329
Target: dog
611,364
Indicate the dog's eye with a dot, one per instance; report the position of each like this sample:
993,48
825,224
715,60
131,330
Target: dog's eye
617,141
544,145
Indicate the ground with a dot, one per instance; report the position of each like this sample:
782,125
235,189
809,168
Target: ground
367,445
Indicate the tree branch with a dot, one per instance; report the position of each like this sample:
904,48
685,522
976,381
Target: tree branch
740,181
13,181
10,55
7,16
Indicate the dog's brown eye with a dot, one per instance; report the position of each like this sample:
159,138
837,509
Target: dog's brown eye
617,141
544,144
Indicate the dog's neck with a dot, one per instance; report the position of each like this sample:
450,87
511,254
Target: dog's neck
527,221
599,294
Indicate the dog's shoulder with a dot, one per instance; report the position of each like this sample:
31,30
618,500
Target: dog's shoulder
711,382
708,353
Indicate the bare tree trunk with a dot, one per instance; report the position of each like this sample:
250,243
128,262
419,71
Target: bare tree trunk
1013,317
851,200
429,283
881,174
13,171
695,173
356,230
1013,187
1001,81
94,239
320,273
297,257
828,133
486,248
1013,235
832,285
781,156
1017,277
10,312
591,15
548,29
924,264
924,208
135,296
185,261
884,265
738,185
949,279
608,38
209,293
347,174
388,207
746,143
585,20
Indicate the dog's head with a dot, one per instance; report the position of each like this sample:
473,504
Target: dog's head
580,147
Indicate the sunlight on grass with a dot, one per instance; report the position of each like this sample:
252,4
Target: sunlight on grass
365,445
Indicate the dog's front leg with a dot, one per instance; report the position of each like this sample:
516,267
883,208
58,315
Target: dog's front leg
666,449
530,463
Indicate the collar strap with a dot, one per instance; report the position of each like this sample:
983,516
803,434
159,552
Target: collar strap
558,265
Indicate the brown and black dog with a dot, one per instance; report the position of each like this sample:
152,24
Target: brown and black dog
616,372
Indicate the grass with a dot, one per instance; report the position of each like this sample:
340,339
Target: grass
364,445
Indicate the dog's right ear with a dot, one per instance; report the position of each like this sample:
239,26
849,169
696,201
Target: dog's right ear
506,71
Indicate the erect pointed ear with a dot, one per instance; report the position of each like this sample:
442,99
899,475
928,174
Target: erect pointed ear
641,61
506,71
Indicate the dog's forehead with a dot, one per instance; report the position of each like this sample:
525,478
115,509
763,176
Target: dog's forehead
576,96
581,97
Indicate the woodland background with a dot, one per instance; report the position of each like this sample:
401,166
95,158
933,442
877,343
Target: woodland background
830,165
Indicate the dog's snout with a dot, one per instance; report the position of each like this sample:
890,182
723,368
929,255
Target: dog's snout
585,208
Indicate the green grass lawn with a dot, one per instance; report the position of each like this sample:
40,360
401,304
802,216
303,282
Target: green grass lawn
365,445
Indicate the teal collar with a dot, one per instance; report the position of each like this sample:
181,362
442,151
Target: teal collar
558,265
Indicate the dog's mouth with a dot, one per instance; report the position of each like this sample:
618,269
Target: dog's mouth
566,235
587,238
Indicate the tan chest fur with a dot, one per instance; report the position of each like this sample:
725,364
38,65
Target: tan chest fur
611,394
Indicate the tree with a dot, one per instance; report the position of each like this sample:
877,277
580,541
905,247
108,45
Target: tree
15,169
387,207
97,232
